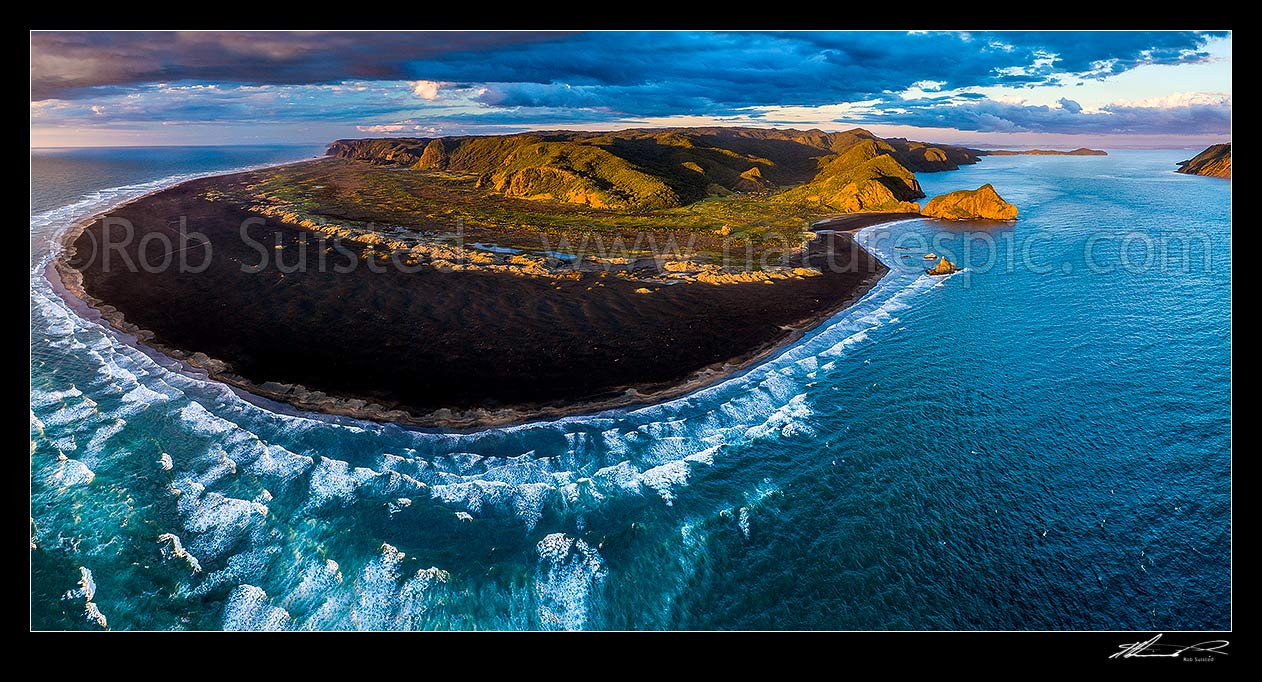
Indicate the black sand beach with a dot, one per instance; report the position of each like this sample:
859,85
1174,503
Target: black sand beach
430,348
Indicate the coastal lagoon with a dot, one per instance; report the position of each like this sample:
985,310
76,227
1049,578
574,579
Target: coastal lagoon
1041,441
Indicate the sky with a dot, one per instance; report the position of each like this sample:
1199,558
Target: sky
1057,89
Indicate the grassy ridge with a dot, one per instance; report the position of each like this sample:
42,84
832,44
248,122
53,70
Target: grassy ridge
663,168
701,186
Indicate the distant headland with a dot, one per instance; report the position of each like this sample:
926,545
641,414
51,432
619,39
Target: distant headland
1213,162
1081,151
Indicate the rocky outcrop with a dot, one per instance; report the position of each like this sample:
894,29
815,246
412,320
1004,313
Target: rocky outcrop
983,203
944,267
1214,162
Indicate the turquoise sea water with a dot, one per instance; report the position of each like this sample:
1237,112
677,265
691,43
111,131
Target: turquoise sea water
1041,441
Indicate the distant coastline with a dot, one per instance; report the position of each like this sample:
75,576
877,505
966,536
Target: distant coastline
1081,151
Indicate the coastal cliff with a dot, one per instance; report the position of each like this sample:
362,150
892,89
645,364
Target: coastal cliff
983,203
1214,162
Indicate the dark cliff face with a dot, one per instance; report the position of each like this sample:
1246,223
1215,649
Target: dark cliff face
852,170
1213,162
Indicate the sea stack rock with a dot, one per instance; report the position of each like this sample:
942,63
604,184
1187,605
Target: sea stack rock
1214,162
944,267
983,203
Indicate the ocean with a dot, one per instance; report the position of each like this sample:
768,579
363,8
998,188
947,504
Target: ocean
1038,442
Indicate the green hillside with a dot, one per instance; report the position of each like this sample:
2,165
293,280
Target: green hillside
647,169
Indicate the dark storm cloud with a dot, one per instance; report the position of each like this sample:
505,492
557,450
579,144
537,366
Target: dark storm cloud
97,80
716,73
1104,53
70,64
628,72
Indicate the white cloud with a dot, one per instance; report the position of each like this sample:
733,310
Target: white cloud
98,110
1008,99
408,126
1177,100
814,116
426,90
928,86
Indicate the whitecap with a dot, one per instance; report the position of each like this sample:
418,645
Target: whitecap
665,478
570,572
278,464
218,521
172,547
473,495
87,585
787,421
70,413
71,472
104,433
87,592
378,590
621,476
248,609
414,597
528,502
244,567
143,395
93,613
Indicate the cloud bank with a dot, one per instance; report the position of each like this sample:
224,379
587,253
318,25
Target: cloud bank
377,80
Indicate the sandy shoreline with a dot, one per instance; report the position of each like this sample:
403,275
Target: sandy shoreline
69,282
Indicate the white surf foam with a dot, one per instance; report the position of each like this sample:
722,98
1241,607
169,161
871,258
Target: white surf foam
71,473
570,573
86,591
173,548
249,609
